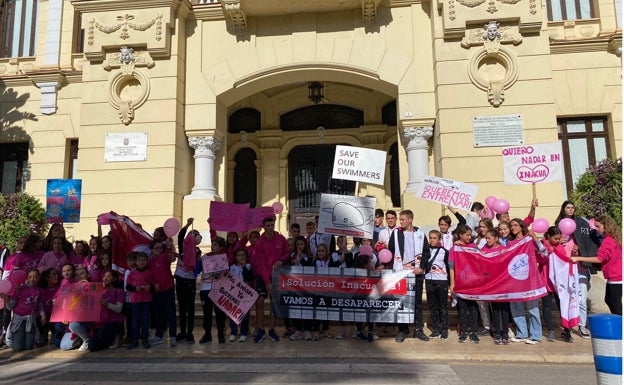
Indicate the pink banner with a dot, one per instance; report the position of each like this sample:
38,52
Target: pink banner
506,275
78,302
228,216
233,296
257,215
214,263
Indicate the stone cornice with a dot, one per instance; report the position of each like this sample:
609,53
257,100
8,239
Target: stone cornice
605,43
122,5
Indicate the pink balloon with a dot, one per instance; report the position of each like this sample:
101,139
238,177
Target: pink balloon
171,227
489,201
278,207
17,277
540,225
385,256
501,206
567,226
5,286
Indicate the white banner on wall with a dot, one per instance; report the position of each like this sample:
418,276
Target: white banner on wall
536,163
125,147
448,192
359,164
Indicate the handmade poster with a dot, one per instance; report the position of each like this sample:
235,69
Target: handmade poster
63,200
257,215
214,263
536,163
359,164
448,192
506,275
347,215
228,216
233,296
348,294
78,302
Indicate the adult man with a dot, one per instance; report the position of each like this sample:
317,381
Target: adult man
378,221
317,238
410,248
271,251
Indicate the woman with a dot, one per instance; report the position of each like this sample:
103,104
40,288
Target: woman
57,231
609,255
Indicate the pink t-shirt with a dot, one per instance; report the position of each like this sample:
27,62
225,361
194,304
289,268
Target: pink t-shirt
112,296
47,298
51,260
140,278
610,255
161,268
268,253
28,301
28,261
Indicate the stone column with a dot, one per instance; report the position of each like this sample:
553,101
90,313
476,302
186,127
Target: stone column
415,140
206,148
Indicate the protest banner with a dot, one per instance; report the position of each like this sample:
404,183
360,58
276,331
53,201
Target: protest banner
347,215
78,302
214,263
233,296
359,164
226,216
507,275
537,163
128,236
63,198
351,295
447,192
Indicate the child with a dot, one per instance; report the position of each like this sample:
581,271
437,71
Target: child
342,257
49,284
301,257
67,274
242,269
52,259
26,304
78,256
164,294
468,310
107,330
205,285
500,310
127,308
444,224
363,261
504,232
186,271
322,260
140,283
436,284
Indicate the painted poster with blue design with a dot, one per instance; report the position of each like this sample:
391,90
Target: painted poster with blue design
63,200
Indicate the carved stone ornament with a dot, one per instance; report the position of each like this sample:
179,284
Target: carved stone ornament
203,144
128,88
369,12
126,22
232,8
491,6
491,36
417,135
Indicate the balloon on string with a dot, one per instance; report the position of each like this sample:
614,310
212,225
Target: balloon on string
501,206
17,277
567,226
487,213
489,201
385,256
5,286
540,225
171,227
278,207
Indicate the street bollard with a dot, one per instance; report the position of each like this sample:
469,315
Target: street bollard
606,330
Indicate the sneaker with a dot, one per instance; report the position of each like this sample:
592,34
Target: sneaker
181,336
173,342
297,335
444,335
205,338
435,335
371,337
400,337
567,336
84,347
474,338
327,334
156,341
463,338
232,338
551,336
484,332
242,339
341,333
259,336
273,335
375,336
532,342
289,332
518,339
506,341
146,344
125,343
316,336
307,335
360,336
498,341
420,335
583,332
190,339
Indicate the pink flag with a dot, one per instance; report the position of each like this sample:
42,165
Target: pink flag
507,275
127,237
228,216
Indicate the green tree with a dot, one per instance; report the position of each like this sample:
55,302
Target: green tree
599,191
20,215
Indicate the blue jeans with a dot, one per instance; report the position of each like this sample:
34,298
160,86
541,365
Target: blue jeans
244,326
81,329
165,313
140,321
519,317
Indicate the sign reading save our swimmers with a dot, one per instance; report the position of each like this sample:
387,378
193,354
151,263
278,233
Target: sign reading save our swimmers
536,163
359,164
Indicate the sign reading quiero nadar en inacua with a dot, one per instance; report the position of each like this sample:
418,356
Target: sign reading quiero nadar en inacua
359,164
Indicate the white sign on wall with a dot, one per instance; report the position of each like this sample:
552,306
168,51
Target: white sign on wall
536,163
497,130
359,164
125,147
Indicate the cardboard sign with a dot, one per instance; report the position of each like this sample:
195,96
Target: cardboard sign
537,163
257,215
214,263
228,216
447,192
347,215
233,296
63,198
78,302
359,164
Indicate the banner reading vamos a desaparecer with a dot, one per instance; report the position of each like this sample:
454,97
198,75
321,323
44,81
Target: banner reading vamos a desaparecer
335,294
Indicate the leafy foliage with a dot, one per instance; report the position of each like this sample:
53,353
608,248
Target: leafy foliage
20,215
599,191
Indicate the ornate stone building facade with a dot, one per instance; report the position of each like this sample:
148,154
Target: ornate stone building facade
245,100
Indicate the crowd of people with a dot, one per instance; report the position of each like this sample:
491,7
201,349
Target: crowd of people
139,305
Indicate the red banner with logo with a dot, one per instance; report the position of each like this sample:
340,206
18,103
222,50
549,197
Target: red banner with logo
505,275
